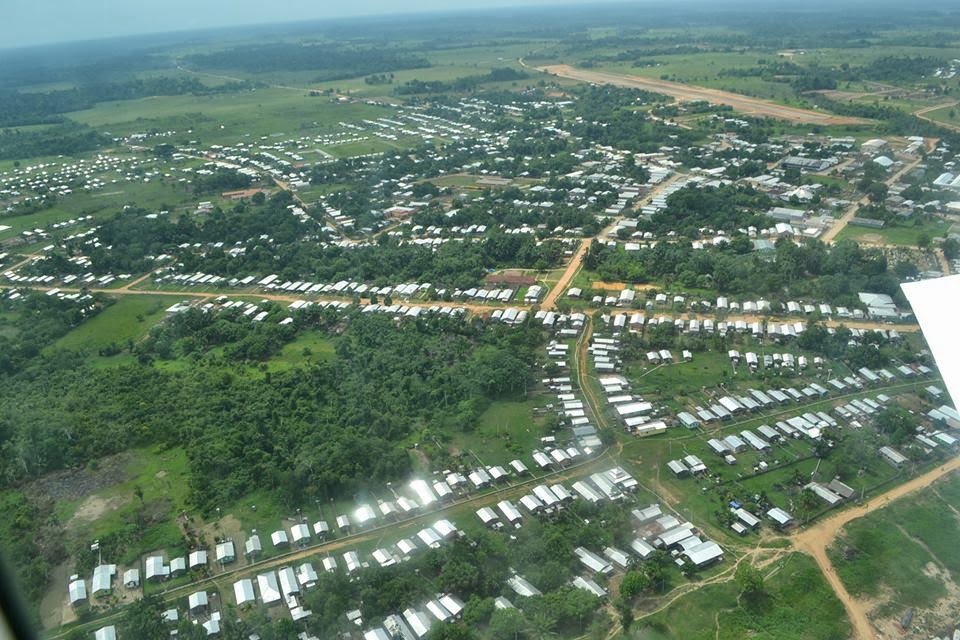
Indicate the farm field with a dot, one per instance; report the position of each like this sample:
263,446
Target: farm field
221,119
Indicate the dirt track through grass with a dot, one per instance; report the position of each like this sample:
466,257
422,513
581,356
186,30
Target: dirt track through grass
743,104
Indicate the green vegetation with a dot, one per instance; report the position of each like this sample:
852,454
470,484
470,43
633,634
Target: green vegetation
812,270
892,549
115,329
784,609
432,151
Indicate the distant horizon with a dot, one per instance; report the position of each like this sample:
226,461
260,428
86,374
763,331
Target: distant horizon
28,26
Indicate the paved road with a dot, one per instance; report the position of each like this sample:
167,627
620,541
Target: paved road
743,104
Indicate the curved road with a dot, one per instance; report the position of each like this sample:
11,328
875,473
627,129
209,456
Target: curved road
817,538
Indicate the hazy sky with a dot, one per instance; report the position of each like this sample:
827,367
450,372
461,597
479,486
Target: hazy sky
27,22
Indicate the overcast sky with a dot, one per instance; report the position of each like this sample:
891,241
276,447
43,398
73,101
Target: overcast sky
28,22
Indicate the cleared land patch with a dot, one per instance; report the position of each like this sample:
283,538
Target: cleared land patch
743,104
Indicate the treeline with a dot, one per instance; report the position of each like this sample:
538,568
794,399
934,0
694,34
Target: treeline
467,83
892,120
278,242
814,77
334,62
193,333
453,264
34,321
66,139
26,108
221,180
811,270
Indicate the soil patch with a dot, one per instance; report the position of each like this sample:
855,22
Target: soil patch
95,506
73,484
609,286
55,608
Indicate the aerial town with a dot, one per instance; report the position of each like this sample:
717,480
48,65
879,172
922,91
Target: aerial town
597,328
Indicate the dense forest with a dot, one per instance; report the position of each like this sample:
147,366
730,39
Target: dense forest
460,85
332,427
814,77
29,324
68,138
319,431
278,242
330,62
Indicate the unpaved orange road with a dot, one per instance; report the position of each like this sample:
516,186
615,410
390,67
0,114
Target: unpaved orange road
572,268
817,538
851,211
743,104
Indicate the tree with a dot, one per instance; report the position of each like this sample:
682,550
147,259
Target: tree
951,248
451,632
923,240
634,583
142,619
626,614
508,624
749,579
807,504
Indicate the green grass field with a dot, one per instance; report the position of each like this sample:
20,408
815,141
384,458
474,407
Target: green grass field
506,430
906,236
127,319
891,550
161,475
306,348
797,603
100,204
224,118
944,115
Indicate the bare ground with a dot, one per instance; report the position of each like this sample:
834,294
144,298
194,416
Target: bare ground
743,104
817,538
73,484
55,609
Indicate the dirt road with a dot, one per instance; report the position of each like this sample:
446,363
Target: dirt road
572,268
817,538
744,104
922,115
851,211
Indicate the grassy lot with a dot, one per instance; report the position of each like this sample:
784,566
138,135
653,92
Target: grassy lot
890,550
506,430
161,475
127,319
154,195
894,235
699,499
943,115
306,348
798,603
222,118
